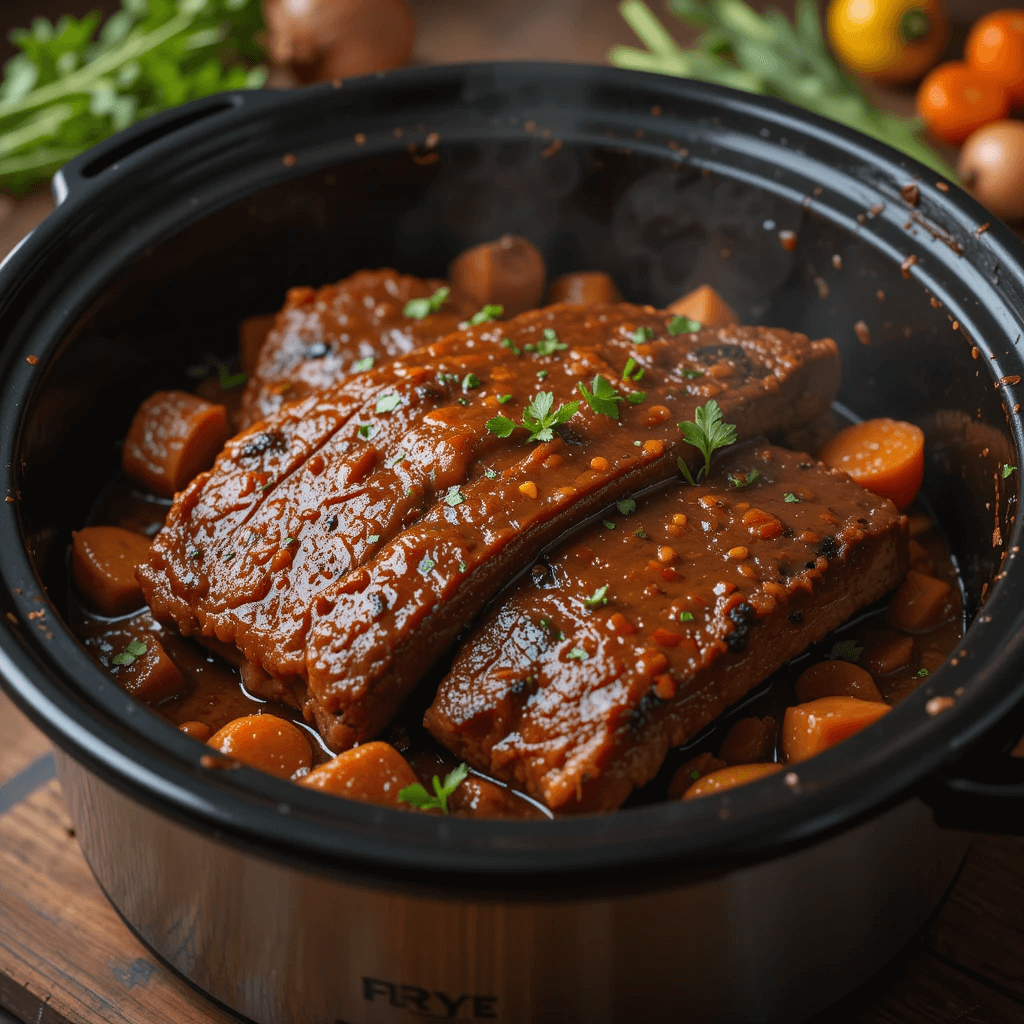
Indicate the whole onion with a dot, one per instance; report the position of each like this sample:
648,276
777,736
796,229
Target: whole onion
992,168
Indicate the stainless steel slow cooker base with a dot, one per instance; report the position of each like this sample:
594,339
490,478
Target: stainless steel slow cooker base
774,942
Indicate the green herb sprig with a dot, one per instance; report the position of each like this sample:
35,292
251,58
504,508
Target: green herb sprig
132,652
601,397
420,309
769,55
417,796
70,86
539,417
707,433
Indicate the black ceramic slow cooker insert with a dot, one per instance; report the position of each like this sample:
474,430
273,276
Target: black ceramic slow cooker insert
288,905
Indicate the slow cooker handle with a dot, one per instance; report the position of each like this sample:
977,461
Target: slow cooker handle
984,790
75,176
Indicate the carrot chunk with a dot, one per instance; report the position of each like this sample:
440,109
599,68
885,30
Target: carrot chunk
197,730
103,561
687,774
835,679
173,437
812,728
921,602
147,672
884,456
889,656
748,740
373,773
730,778
705,306
271,744
509,272
584,288
252,332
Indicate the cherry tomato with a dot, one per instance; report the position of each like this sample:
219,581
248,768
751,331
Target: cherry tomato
955,99
996,46
893,41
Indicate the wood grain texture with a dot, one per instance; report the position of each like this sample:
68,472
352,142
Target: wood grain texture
20,742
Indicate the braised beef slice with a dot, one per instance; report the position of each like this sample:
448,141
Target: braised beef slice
342,544
321,335
575,693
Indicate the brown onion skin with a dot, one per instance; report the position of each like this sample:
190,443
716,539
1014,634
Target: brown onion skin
325,40
992,168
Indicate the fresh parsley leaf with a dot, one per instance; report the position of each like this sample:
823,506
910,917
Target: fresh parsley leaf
362,365
470,381
400,457
626,507
578,654
739,480
490,474
1008,470
707,433
636,397
602,397
598,598
686,616
501,426
416,796
632,370
288,541
846,650
922,672
426,566
462,566
419,309
373,538
483,316
682,325
454,496
549,344
608,524
227,381
690,374
542,374
791,498
641,533
367,430
388,403
135,649
641,334
504,399
539,417
508,343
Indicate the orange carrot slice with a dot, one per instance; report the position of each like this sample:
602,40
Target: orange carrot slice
812,728
373,773
266,742
730,778
835,679
885,456
705,306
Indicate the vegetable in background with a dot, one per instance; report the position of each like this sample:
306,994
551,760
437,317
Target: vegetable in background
71,87
996,46
992,167
893,41
766,54
956,99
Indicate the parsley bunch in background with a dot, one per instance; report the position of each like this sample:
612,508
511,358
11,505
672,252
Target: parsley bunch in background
76,82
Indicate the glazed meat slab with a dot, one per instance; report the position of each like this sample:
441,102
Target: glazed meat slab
337,548
323,335
641,630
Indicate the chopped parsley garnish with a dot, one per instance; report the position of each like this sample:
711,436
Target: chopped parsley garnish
400,457
637,397
632,370
426,566
454,496
739,480
388,403
539,417
545,623
549,344
484,316
608,524
603,398
416,796
229,556
641,334
791,498
418,309
270,483
135,649
707,434
226,380
470,381
196,553
373,538
507,343
690,374
1008,470
846,650
462,567
921,673
503,399
491,474
362,365
626,506
578,654
290,540
682,325
686,616
641,533
367,430
541,374
598,598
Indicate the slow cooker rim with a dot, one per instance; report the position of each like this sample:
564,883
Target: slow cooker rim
946,735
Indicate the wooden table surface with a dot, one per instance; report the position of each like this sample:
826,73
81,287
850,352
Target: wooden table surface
66,957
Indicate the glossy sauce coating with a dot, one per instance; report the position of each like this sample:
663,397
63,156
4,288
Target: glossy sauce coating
344,542
322,335
576,694
103,563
